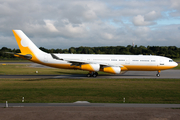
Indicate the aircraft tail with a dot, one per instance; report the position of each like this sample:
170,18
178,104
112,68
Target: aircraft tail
26,46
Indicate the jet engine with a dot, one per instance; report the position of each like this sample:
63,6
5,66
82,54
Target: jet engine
90,67
114,70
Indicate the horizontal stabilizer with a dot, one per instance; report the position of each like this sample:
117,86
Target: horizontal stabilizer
27,56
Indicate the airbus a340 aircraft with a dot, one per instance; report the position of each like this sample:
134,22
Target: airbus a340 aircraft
91,62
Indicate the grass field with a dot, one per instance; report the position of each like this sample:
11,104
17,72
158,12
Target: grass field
26,69
177,67
15,60
92,90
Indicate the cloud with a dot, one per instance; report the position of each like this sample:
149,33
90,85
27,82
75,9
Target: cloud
153,15
64,24
143,31
107,36
72,30
175,4
139,20
147,19
50,25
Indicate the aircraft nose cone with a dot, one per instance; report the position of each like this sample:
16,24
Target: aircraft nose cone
176,64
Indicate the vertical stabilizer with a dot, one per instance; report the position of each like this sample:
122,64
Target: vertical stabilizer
28,49
26,46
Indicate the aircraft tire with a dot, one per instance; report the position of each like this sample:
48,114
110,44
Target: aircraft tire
88,75
158,75
94,75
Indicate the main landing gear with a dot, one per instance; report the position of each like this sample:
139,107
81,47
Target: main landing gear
92,74
158,73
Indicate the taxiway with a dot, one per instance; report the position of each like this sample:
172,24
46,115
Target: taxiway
129,74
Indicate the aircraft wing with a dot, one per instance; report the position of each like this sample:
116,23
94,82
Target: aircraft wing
80,62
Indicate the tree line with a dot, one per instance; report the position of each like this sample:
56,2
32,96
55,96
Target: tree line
168,51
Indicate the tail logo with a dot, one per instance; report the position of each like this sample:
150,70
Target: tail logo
24,43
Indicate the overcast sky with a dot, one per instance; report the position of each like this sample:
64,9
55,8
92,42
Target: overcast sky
73,23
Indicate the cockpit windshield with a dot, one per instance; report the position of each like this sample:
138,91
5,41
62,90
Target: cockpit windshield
171,61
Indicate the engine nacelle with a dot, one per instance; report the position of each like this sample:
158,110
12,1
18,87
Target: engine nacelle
90,67
114,70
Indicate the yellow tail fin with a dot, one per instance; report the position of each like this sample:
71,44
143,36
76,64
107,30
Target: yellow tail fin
26,46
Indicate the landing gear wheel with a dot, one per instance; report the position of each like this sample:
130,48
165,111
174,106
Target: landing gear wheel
88,75
158,73
92,74
96,73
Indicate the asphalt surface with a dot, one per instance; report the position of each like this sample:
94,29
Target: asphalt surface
88,113
129,74
79,104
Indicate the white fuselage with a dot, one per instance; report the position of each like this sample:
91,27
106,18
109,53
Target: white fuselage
126,62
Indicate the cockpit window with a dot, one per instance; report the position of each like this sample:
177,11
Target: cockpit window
170,60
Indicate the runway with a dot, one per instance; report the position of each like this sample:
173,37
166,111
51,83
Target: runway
129,74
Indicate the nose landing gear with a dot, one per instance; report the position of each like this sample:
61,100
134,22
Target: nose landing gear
92,74
158,73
